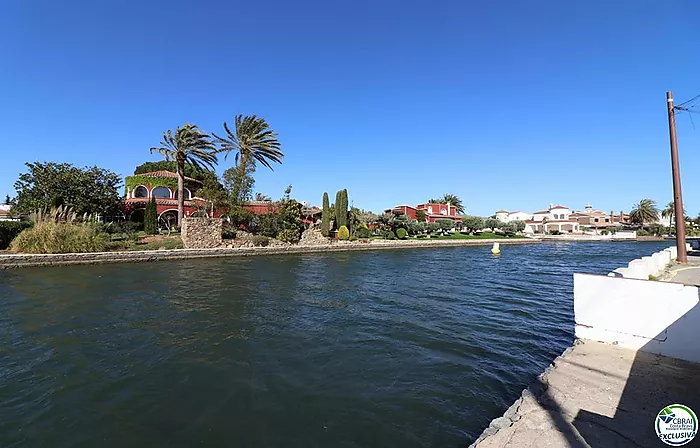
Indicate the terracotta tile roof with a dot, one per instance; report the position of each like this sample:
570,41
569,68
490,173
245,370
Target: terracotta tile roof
164,173
558,206
543,212
502,211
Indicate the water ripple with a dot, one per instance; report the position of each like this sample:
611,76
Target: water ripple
381,348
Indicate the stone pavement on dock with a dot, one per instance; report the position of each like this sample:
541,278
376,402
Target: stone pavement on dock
596,395
688,274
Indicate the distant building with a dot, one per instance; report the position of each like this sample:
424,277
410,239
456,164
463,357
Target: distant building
5,214
562,219
433,211
555,218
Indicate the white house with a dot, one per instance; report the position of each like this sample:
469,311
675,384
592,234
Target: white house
506,216
555,218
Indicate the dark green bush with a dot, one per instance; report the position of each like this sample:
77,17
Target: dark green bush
260,241
363,232
9,230
642,232
270,225
401,234
150,218
388,235
352,238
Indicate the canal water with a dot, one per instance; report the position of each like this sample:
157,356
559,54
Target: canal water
389,348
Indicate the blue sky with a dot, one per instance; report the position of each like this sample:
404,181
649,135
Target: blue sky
507,104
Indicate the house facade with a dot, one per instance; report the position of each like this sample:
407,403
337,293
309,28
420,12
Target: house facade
433,211
162,185
561,218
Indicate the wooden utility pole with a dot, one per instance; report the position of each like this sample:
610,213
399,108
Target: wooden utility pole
677,193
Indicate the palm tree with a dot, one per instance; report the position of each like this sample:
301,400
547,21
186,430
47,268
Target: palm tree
644,212
670,213
188,145
262,197
252,140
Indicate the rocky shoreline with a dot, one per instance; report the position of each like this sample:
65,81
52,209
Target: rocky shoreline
9,261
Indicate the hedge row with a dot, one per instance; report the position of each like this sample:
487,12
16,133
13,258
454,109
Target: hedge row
9,230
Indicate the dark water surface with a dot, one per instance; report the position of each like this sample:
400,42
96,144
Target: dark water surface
390,348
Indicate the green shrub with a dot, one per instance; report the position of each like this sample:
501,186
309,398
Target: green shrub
228,232
269,225
289,236
260,241
343,233
352,238
388,235
9,230
401,234
49,237
150,218
555,232
642,232
363,232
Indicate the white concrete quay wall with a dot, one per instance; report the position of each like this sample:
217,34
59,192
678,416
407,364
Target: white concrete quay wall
655,317
642,268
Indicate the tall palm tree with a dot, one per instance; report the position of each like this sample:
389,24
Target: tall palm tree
188,145
644,212
252,140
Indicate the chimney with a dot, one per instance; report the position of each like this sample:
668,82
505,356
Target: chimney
551,205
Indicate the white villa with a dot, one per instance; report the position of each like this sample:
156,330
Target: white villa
557,217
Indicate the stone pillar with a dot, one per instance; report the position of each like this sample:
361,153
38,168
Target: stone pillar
201,233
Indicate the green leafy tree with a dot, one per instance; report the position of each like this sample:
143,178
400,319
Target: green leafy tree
290,215
399,220
519,225
343,233
325,216
261,197
445,224
472,223
89,190
645,212
493,223
420,216
8,201
188,145
508,228
150,218
239,183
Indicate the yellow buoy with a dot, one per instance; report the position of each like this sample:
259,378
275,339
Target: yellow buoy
496,249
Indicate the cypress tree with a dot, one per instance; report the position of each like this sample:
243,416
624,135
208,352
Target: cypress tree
338,207
326,216
150,218
342,208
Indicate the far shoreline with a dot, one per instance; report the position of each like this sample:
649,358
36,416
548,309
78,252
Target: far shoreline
18,260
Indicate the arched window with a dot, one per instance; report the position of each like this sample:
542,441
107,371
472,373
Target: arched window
141,192
161,192
187,194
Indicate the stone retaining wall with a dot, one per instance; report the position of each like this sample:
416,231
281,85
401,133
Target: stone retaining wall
201,233
26,260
